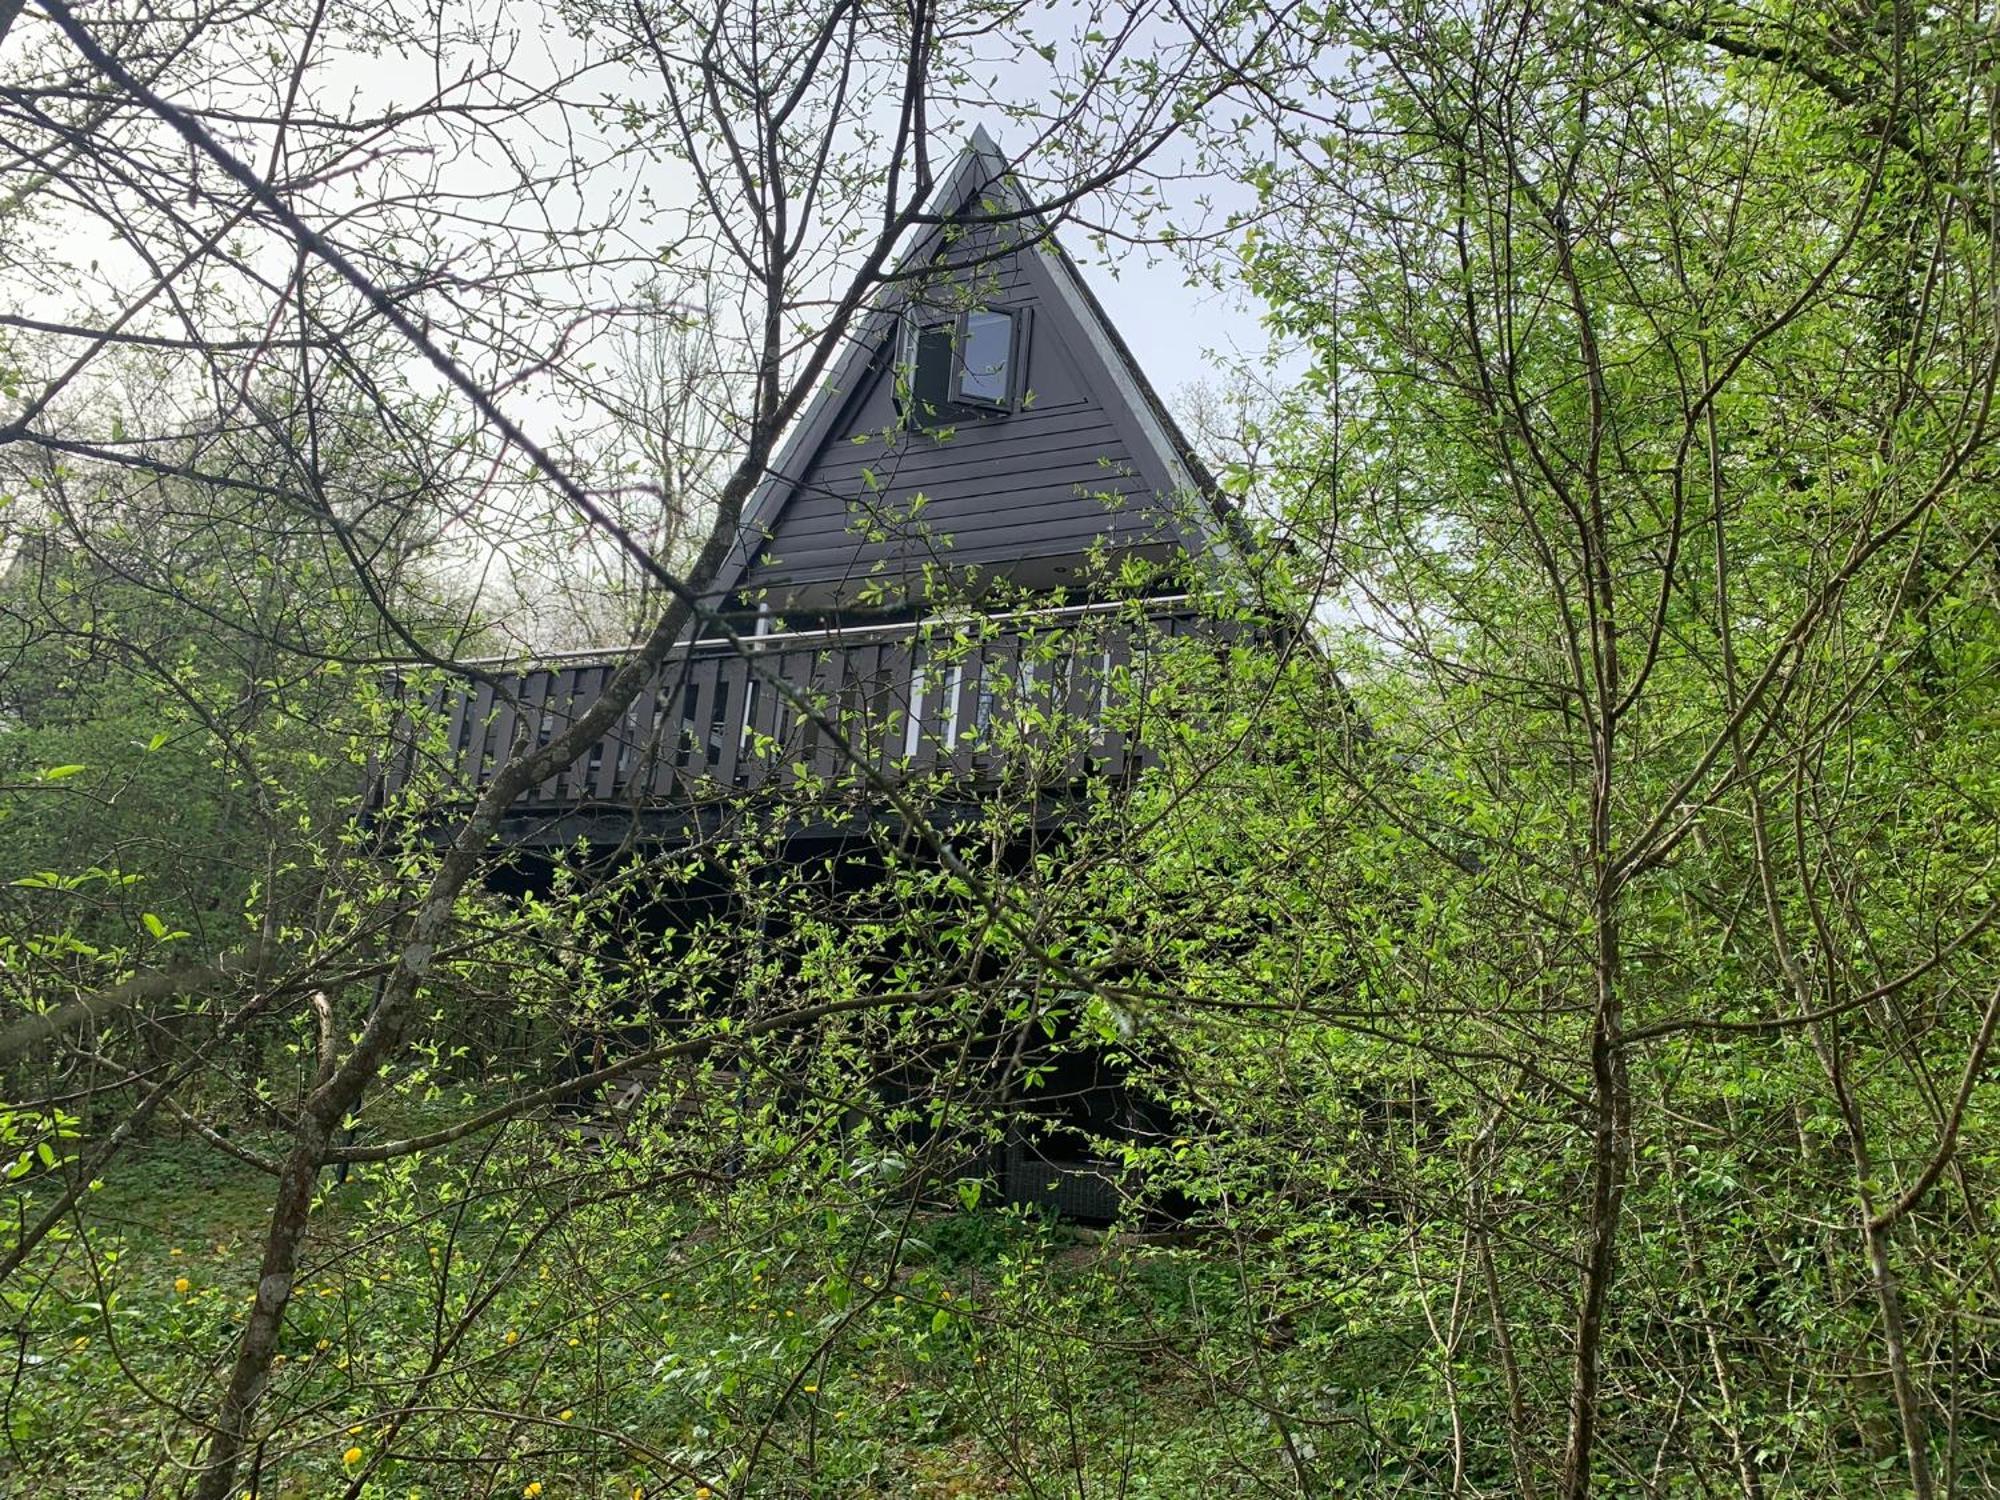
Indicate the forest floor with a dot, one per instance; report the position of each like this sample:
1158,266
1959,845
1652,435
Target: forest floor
633,1353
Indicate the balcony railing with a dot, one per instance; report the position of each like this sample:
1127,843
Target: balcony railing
982,699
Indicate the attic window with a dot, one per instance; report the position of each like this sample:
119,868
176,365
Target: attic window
963,366
987,350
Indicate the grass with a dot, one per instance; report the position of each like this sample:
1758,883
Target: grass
641,1347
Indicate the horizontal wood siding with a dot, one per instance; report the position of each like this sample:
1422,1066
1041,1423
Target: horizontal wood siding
1027,484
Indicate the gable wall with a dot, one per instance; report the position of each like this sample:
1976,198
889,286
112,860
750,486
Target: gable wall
1027,488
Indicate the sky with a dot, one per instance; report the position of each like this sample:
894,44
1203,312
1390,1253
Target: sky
1174,329
1181,334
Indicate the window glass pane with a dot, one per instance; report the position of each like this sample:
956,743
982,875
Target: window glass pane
930,374
989,346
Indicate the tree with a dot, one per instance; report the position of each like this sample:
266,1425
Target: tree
227,187
1647,433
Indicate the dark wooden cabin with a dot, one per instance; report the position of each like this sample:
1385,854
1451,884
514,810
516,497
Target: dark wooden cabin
985,451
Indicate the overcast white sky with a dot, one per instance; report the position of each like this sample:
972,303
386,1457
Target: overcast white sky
1175,330
1180,333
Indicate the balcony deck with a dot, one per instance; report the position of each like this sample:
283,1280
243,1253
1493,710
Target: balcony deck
961,705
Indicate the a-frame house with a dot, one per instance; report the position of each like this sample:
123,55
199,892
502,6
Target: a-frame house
987,425
985,448
986,509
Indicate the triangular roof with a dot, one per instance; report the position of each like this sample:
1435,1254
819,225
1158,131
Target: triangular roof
979,189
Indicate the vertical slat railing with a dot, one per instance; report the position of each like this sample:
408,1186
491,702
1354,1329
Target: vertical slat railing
454,737
937,698
499,739
383,760
888,705
649,734
829,685
684,761
965,728
923,693
556,718
854,713
1077,707
1115,660
534,708
469,759
576,775
393,770
796,733
723,736
765,719
998,706
620,744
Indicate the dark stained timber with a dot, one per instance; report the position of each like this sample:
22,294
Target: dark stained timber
972,701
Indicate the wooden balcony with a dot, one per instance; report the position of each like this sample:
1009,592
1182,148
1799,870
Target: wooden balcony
960,704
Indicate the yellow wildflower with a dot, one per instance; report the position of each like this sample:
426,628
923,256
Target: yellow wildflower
181,1285
565,1414
513,1336
351,1457
532,1489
